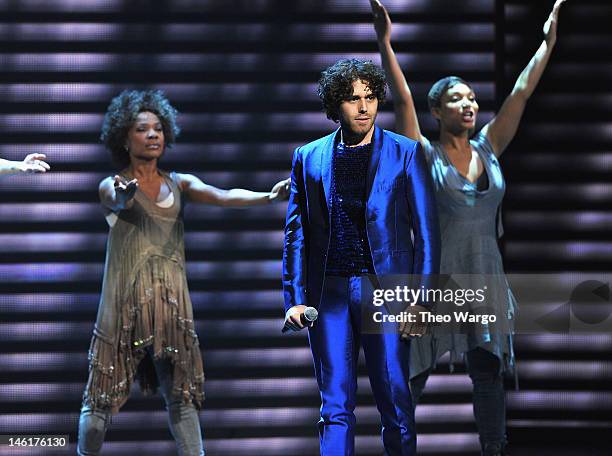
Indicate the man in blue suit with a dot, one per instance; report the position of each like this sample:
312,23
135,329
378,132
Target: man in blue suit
361,208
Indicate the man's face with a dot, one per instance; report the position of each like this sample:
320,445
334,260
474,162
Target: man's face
357,114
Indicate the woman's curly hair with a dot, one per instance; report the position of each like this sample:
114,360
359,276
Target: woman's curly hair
336,83
121,114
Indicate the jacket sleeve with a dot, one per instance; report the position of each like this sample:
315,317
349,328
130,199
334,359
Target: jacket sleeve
295,248
425,224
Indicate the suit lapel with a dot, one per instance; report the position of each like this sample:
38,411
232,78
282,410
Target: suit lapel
377,143
326,163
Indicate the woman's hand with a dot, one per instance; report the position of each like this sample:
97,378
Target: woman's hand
382,22
34,163
416,328
281,190
124,190
550,26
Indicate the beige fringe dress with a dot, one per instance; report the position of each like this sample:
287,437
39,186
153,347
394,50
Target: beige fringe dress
145,303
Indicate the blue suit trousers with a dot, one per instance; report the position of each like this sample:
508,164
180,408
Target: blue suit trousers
335,339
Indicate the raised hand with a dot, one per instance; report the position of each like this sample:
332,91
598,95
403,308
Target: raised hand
550,26
124,190
382,22
281,190
34,163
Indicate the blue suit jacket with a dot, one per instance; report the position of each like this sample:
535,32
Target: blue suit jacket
401,214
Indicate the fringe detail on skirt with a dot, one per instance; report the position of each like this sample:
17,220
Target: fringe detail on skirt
158,315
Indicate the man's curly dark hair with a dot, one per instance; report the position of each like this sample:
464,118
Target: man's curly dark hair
122,113
336,83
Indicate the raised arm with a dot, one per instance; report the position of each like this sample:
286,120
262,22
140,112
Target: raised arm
406,121
33,163
501,130
199,192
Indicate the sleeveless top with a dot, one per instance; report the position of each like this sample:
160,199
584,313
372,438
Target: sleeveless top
470,224
145,307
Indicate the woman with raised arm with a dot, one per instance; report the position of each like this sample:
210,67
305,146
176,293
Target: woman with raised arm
145,328
469,190
33,163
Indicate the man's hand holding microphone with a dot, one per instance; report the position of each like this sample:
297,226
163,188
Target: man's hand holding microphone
299,317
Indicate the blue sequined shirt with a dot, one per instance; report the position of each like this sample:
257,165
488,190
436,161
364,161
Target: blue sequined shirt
349,251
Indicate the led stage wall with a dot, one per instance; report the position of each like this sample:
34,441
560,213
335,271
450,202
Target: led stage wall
243,76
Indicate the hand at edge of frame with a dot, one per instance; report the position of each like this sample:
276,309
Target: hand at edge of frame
281,190
34,163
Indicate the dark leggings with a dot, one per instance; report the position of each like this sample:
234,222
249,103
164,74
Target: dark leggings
488,399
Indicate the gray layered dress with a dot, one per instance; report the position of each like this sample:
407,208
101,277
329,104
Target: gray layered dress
470,224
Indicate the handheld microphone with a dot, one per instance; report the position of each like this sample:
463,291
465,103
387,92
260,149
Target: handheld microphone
309,316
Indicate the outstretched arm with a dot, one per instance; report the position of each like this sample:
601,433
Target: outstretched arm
33,163
501,130
199,192
406,121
